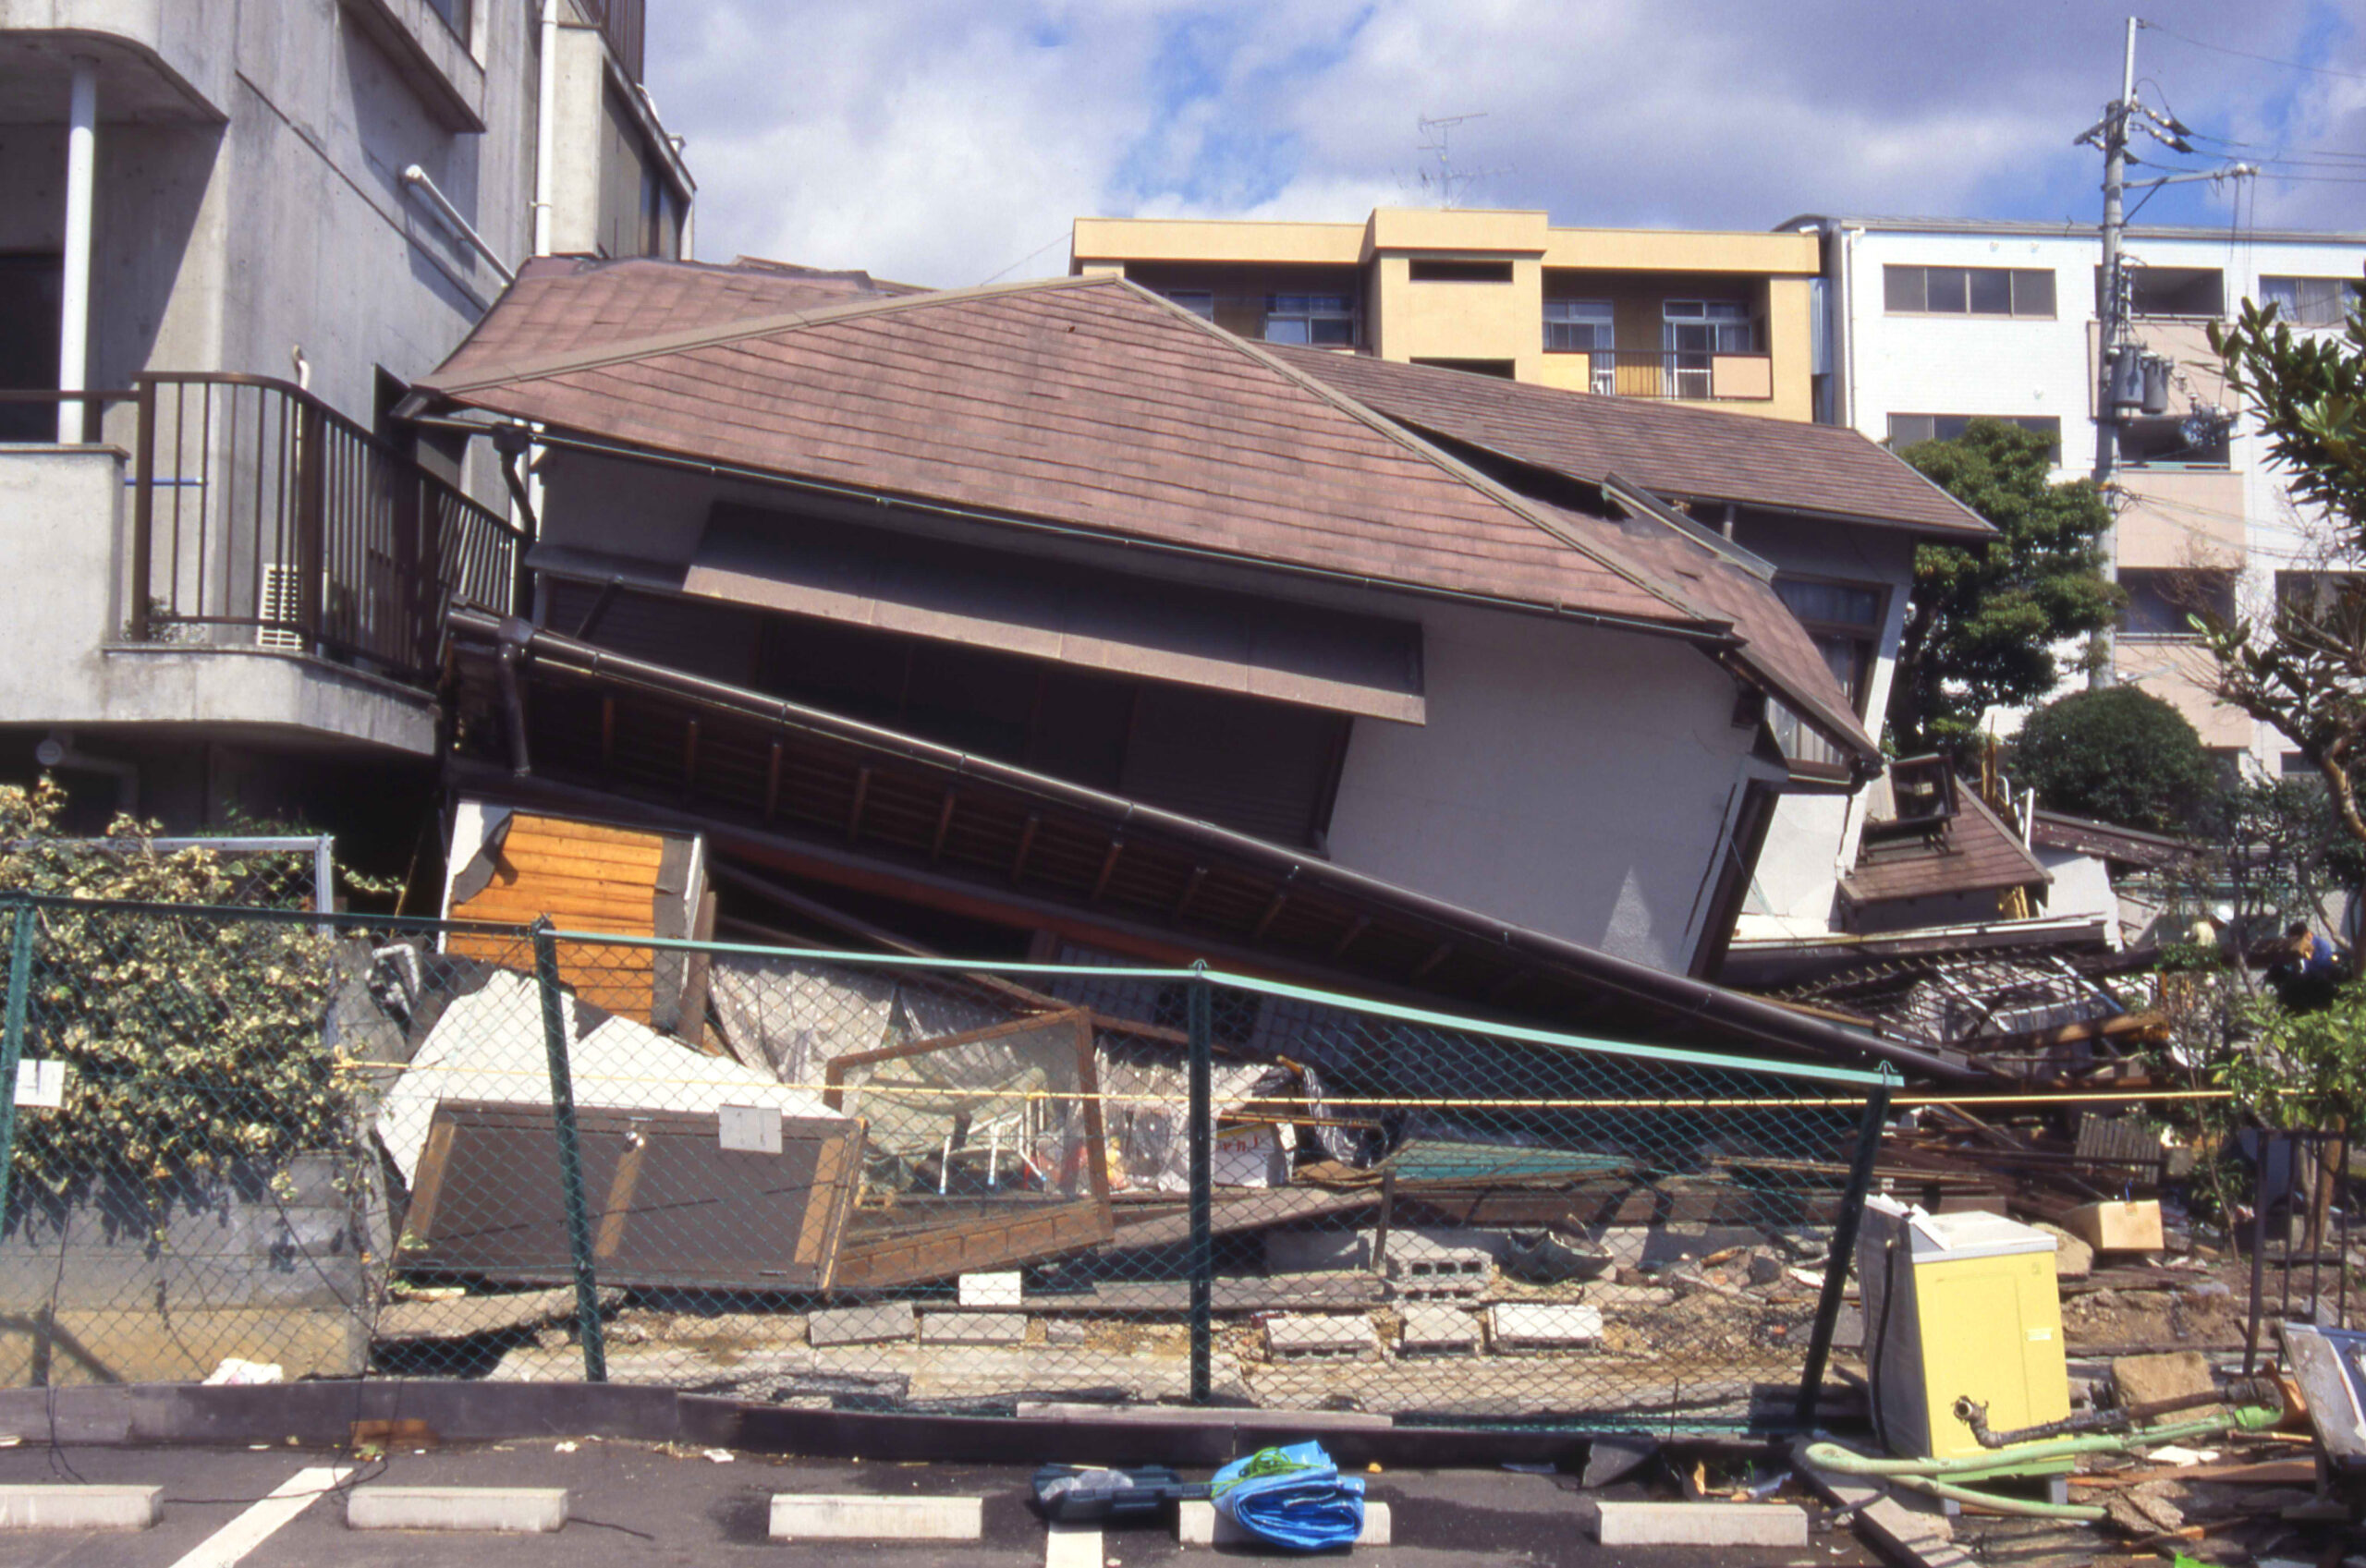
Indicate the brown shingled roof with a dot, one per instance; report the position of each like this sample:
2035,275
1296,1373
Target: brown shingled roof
1703,453
1085,401
1974,853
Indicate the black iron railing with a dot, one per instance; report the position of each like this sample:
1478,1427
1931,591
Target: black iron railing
263,517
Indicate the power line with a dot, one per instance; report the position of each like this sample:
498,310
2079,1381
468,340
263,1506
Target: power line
1028,257
2246,54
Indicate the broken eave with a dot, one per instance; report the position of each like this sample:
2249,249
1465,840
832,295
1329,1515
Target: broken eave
855,803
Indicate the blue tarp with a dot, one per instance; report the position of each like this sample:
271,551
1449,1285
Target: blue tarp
1293,1497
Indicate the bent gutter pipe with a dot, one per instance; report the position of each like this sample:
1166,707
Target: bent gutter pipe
1674,993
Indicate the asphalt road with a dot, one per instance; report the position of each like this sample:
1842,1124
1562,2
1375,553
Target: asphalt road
635,1505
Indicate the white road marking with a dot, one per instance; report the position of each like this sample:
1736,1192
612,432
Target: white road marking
225,1546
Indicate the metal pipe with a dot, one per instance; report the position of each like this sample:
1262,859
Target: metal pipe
545,136
74,295
417,178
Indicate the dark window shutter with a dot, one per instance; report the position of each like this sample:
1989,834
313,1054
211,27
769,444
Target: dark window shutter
1257,767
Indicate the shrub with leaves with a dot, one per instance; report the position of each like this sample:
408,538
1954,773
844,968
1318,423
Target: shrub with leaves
195,1041
2120,755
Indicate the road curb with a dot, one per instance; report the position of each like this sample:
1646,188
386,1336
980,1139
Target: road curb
512,1511
65,1507
808,1516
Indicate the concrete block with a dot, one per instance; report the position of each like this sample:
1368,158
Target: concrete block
871,1324
1438,1273
64,1507
1775,1524
1307,1339
1198,1523
1316,1252
518,1511
973,1328
1432,1327
1066,1331
1542,1325
798,1516
2155,1380
1000,1289
1072,1545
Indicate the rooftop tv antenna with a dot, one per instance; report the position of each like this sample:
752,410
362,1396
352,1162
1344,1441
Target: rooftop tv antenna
1445,184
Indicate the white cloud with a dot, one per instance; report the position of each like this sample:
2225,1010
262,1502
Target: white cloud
943,142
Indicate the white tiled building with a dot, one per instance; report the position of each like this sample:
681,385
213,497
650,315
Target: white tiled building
1929,320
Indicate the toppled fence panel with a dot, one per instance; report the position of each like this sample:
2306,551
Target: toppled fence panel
454,1163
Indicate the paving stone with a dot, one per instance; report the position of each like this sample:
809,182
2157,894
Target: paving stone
801,1518
870,1324
1072,1545
65,1507
1198,1523
1431,1327
1308,1338
1774,1524
973,1328
515,1511
1542,1325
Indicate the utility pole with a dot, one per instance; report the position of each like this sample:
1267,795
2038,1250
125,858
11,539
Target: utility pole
2112,327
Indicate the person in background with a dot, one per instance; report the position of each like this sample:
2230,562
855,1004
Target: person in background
2306,970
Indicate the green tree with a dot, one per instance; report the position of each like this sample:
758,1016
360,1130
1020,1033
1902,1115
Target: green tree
2118,755
1983,620
2302,667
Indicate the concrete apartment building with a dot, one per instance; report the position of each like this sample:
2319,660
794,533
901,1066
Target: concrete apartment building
1722,320
1933,320
243,229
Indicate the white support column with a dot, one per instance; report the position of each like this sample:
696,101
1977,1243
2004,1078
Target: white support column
74,310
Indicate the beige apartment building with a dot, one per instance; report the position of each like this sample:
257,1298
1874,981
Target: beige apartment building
1724,320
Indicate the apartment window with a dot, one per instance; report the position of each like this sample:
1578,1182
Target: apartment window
2310,302
2171,291
1576,326
1692,332
1459,272
1905,430
2174,443
1502,369
1968,291
1201,302
2162,603
455,14
1328,320
2295,765
1844,620
2320,596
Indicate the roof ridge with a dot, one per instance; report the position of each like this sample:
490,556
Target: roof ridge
1421,446
544,366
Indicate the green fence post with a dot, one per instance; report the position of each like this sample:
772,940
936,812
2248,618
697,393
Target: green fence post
12,1044
570,1158
1200,1016
1844,1245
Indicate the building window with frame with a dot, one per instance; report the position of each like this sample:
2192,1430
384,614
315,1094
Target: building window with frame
1585,326
2310,302
1968,291
2193,443
2163,602
1694,331
1907,429
1201,302
1325,321
1844,621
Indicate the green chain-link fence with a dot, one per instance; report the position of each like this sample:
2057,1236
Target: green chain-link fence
349,1146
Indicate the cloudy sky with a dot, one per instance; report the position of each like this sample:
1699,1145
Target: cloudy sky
951,141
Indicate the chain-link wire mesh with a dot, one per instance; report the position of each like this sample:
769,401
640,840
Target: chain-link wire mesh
836,1179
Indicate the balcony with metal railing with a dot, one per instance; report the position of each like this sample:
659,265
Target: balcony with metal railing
255,559
1676,374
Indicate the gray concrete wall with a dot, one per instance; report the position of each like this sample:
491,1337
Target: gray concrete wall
62,600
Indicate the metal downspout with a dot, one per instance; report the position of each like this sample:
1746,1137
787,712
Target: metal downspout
74,304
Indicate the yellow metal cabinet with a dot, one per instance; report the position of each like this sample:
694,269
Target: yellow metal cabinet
1957,1305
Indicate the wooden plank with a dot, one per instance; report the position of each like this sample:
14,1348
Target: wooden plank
993,1241
639,850
533,826
501,904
